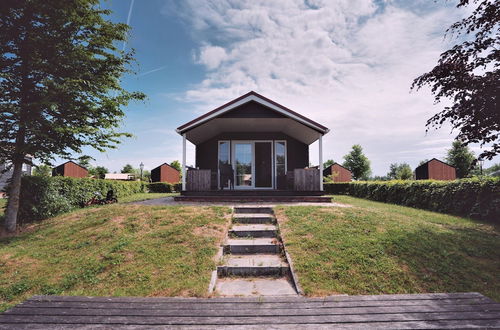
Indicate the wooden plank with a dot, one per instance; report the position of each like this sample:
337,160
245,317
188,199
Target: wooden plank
159,320
251,312
447,324
198,180
229,300
198,306
418,296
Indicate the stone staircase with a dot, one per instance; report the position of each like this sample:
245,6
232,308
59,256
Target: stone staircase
253,262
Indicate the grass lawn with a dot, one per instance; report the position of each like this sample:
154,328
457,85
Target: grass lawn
375,248
119,250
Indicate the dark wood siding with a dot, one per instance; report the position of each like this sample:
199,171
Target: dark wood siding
252,110
435,170
70,169
297,152
338,173
165,173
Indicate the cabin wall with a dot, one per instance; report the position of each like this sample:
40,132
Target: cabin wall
297,152
441,171
74,171
165,173
340,174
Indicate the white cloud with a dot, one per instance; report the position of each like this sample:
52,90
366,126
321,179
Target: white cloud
348,64
211,56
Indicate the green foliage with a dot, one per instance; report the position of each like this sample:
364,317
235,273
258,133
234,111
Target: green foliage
493,170
462,158
357,163
477,198
328,163
42,170
60,85
177,165
99,172
44,197
468,75
163,187
336,188
128,169
400,172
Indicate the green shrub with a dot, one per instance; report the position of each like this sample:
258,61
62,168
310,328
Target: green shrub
340,188
164,187
477,198
44,197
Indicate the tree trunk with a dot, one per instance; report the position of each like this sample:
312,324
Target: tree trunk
14,193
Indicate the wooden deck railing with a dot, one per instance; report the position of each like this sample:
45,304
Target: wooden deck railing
198,180
306,179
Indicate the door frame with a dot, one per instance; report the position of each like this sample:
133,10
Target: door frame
233,163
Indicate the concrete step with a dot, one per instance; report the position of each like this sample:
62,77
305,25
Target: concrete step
253,265
253,230
253,218
251,209
252,246
254,287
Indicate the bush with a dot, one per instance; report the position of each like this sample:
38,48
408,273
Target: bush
340,188
160,187
477,198
44,197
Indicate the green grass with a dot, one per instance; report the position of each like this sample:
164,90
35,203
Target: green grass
375,248
117,250
144,196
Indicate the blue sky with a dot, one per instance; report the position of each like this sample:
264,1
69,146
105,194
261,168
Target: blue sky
347,64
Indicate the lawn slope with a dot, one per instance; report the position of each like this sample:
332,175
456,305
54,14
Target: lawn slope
375,248
122,250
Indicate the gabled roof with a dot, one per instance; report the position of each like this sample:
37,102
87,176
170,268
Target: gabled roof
165,164
427,162
252,96
70,161
338,165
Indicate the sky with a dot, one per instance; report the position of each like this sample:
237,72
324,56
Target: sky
347,64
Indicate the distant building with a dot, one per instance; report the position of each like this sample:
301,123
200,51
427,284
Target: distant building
5,176
165,173
338,172
70,169
436,170
120,176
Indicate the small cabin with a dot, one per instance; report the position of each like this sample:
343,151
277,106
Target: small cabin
252,143
165,173
435,169
70,169
6,172
338,172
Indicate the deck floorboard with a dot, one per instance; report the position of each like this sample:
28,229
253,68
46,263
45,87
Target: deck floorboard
464,310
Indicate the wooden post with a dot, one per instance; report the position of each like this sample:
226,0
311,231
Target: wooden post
184,161
321,162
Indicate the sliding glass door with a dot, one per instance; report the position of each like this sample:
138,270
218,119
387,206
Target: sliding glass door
243,160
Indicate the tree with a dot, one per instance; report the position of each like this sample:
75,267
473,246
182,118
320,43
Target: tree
175,164
60,91
462,158
400,172
357,163
493,170
422,162
42,170
469,75
328,163
128,169
99,172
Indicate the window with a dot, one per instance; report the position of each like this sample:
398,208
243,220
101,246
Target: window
223,159
280,161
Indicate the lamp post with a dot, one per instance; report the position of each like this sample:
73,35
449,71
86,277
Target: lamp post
141,166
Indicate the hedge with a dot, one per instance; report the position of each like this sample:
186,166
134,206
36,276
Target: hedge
44,197
164,187
477,198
